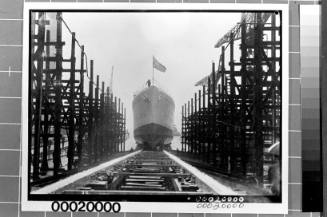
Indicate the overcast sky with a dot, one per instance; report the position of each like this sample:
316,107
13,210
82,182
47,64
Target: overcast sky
183,42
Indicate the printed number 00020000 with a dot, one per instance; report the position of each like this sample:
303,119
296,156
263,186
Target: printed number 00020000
82,206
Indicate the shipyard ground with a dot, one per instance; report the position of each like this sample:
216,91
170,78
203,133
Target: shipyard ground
150,173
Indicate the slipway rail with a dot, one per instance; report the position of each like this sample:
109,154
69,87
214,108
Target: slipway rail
140,173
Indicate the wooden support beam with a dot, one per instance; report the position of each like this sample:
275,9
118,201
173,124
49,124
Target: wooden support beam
81,108
96,121
45,138
71,121
102,148
58,100
90,118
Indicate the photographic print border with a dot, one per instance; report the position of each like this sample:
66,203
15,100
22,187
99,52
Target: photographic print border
42,205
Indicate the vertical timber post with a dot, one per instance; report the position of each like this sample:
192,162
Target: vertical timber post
45,166
58,100
97,125
71,99
118,126
124,145
81,109
243,99
222,133
185,128
115,125
192,127
232,106
274,79
90,119
183,131
200,130
102,123
209,118
111,123
196,128
203,126
258,52
213,126
38,97
188,127
107,121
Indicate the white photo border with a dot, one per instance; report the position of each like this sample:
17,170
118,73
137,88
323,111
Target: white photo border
161,207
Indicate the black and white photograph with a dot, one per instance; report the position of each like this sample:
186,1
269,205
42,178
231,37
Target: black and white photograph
163,105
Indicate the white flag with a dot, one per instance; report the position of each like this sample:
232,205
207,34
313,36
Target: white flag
157,65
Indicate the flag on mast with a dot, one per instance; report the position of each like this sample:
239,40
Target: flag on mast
157,65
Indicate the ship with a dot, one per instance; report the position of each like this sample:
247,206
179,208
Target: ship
153,111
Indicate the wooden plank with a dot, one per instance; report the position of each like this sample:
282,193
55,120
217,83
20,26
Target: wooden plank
144,180
142,184
143,177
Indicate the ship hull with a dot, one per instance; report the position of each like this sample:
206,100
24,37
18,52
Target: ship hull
153,118
153,136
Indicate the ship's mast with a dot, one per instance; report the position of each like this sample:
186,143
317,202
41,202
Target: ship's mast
152,74
153,70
